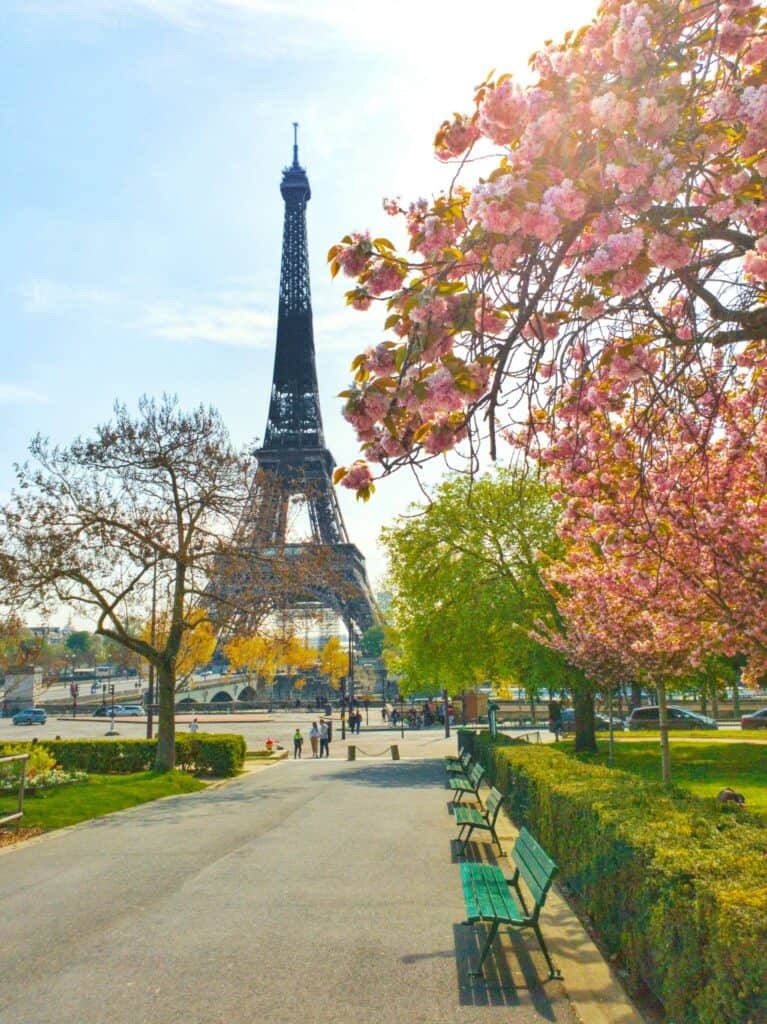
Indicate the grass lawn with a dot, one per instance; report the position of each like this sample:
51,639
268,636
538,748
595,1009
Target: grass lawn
102,794
701,765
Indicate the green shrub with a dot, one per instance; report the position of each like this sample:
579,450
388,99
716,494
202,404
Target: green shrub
213,754
675,885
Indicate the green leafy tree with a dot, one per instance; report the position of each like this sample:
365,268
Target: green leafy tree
469,602
81,645
372,642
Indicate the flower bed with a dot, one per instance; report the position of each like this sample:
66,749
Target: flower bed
40,771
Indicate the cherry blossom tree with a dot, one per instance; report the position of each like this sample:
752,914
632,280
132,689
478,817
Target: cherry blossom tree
665,521
619,224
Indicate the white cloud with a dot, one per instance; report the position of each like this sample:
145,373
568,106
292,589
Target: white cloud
226,317
442,45
221,324
45,296
11,393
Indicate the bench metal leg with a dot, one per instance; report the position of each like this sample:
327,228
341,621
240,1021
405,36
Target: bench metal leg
497,840
485,950
553,972
462,851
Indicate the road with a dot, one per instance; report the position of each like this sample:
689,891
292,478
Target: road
320,892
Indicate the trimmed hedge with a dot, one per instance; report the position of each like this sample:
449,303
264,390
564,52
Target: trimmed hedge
675,885
211,754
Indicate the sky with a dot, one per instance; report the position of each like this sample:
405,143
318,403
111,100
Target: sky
141,150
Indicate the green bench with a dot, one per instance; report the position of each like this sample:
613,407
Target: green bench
459,765
470,818
469,783
490,896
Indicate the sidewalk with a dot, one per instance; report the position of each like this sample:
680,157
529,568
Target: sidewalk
307,892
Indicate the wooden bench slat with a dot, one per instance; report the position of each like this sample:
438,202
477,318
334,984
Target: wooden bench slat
487,895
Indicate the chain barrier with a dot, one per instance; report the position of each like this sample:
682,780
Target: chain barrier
353,748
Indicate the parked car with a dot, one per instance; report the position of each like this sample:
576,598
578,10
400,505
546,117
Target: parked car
129,711
756,720
601,722
104,710
30,716
678,718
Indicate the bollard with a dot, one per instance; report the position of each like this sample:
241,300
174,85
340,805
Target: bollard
351,752
394,752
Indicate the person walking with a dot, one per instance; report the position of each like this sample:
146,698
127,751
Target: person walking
298,743
314,738
324,741
194,725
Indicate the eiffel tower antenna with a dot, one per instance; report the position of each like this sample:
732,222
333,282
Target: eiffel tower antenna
294,463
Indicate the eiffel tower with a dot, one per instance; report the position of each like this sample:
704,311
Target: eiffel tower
295,468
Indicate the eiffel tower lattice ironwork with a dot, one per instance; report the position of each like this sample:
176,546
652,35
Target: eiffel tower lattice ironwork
294,464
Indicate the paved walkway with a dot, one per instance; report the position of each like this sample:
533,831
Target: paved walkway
319,892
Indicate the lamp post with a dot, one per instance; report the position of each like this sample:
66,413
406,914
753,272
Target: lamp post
112,731
348,700
150,685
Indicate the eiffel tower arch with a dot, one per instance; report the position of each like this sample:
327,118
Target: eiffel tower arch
295,467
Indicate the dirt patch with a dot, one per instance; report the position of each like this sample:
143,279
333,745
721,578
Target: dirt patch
9,836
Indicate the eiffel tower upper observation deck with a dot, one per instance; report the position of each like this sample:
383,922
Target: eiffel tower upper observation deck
294,465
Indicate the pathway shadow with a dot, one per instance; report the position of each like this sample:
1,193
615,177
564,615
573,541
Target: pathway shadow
389,775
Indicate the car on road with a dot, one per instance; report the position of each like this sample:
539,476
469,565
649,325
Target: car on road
678,718
755,720
30,716
601,722
129,711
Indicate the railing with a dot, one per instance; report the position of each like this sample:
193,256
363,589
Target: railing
526,736
23,758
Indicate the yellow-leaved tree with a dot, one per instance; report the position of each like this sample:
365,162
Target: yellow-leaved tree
334,662
255,654
198,641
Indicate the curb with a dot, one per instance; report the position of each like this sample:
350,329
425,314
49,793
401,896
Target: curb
596,993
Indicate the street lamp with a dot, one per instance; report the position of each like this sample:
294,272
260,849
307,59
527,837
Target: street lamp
150,685
112,731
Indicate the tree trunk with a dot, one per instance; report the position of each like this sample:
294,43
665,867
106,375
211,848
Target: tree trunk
165,759
583,704
703,698
665,752
736,699
636,695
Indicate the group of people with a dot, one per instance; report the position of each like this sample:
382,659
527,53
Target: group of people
321,734
355,721
319,739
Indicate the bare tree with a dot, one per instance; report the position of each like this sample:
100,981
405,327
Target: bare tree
146,508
